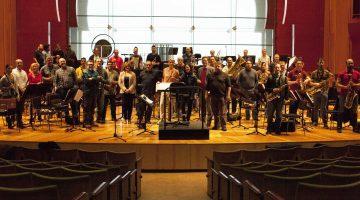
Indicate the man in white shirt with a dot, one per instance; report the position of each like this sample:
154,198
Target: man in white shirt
21,81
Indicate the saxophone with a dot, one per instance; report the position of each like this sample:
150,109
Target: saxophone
350,96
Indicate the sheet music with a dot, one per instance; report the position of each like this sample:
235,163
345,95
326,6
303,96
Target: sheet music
162,86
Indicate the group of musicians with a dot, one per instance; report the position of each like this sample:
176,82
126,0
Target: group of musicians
224,87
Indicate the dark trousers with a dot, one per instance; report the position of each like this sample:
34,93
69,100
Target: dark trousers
62,92
320,104
294,107
144,109
187,102
10,118
89,107
109,99
19,111
99,104
274,107
127,106
217,107
352,112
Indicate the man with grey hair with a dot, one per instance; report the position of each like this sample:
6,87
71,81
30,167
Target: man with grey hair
65,86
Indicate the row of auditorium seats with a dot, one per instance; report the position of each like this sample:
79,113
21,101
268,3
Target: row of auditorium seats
321,172
69,174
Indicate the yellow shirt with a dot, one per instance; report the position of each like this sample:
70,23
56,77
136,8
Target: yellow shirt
79,72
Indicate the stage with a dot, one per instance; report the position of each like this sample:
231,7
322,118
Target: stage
170,154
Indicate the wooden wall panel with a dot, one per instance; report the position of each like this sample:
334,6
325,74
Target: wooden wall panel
7,33
336,34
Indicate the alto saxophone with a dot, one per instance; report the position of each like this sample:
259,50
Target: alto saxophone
350,96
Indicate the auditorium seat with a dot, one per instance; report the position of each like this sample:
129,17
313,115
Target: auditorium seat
100,192
70,155
287,163
133,162
35,193
236,188
255,156
51,171
286,186
282,154
37,165
335,152
93,156
82,196
309,153
114,189
8,169
68,187
338,169
118,188
60,163
347,163
255,176
270,195
308,191
96,176
25,161
350,158
226,158
251,192
16,180
338,179
224,186
354,151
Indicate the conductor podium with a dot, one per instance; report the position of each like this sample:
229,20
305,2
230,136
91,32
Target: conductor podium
180,129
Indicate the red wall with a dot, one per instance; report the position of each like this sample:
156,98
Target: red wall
32,19
354,32
308,17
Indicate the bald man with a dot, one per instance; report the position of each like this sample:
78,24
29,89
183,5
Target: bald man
348,79
64,83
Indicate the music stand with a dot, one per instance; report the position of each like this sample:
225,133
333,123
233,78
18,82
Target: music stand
73,96
148,102
240,125
31,92
115,135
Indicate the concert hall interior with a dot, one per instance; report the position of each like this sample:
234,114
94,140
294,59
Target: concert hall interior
169,99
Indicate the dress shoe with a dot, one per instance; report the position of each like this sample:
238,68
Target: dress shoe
215,128
224,128
339,130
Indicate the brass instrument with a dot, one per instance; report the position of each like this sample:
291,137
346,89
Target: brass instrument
350,96
275,95
235,69
316,89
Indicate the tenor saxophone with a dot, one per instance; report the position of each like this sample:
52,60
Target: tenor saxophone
350,96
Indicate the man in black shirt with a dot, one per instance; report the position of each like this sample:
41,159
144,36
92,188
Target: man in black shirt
39,56
218,83
147,79
154,58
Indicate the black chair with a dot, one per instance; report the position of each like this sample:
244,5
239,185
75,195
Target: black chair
100,193
314,192
17,180
68,187
236,188
35,193
251,192
93,156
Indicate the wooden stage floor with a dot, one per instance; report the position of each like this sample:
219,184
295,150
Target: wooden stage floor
170,154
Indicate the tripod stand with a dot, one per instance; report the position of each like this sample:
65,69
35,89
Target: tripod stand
240,125
256,131
148,102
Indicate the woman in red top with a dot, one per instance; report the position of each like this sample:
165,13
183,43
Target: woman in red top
34,75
